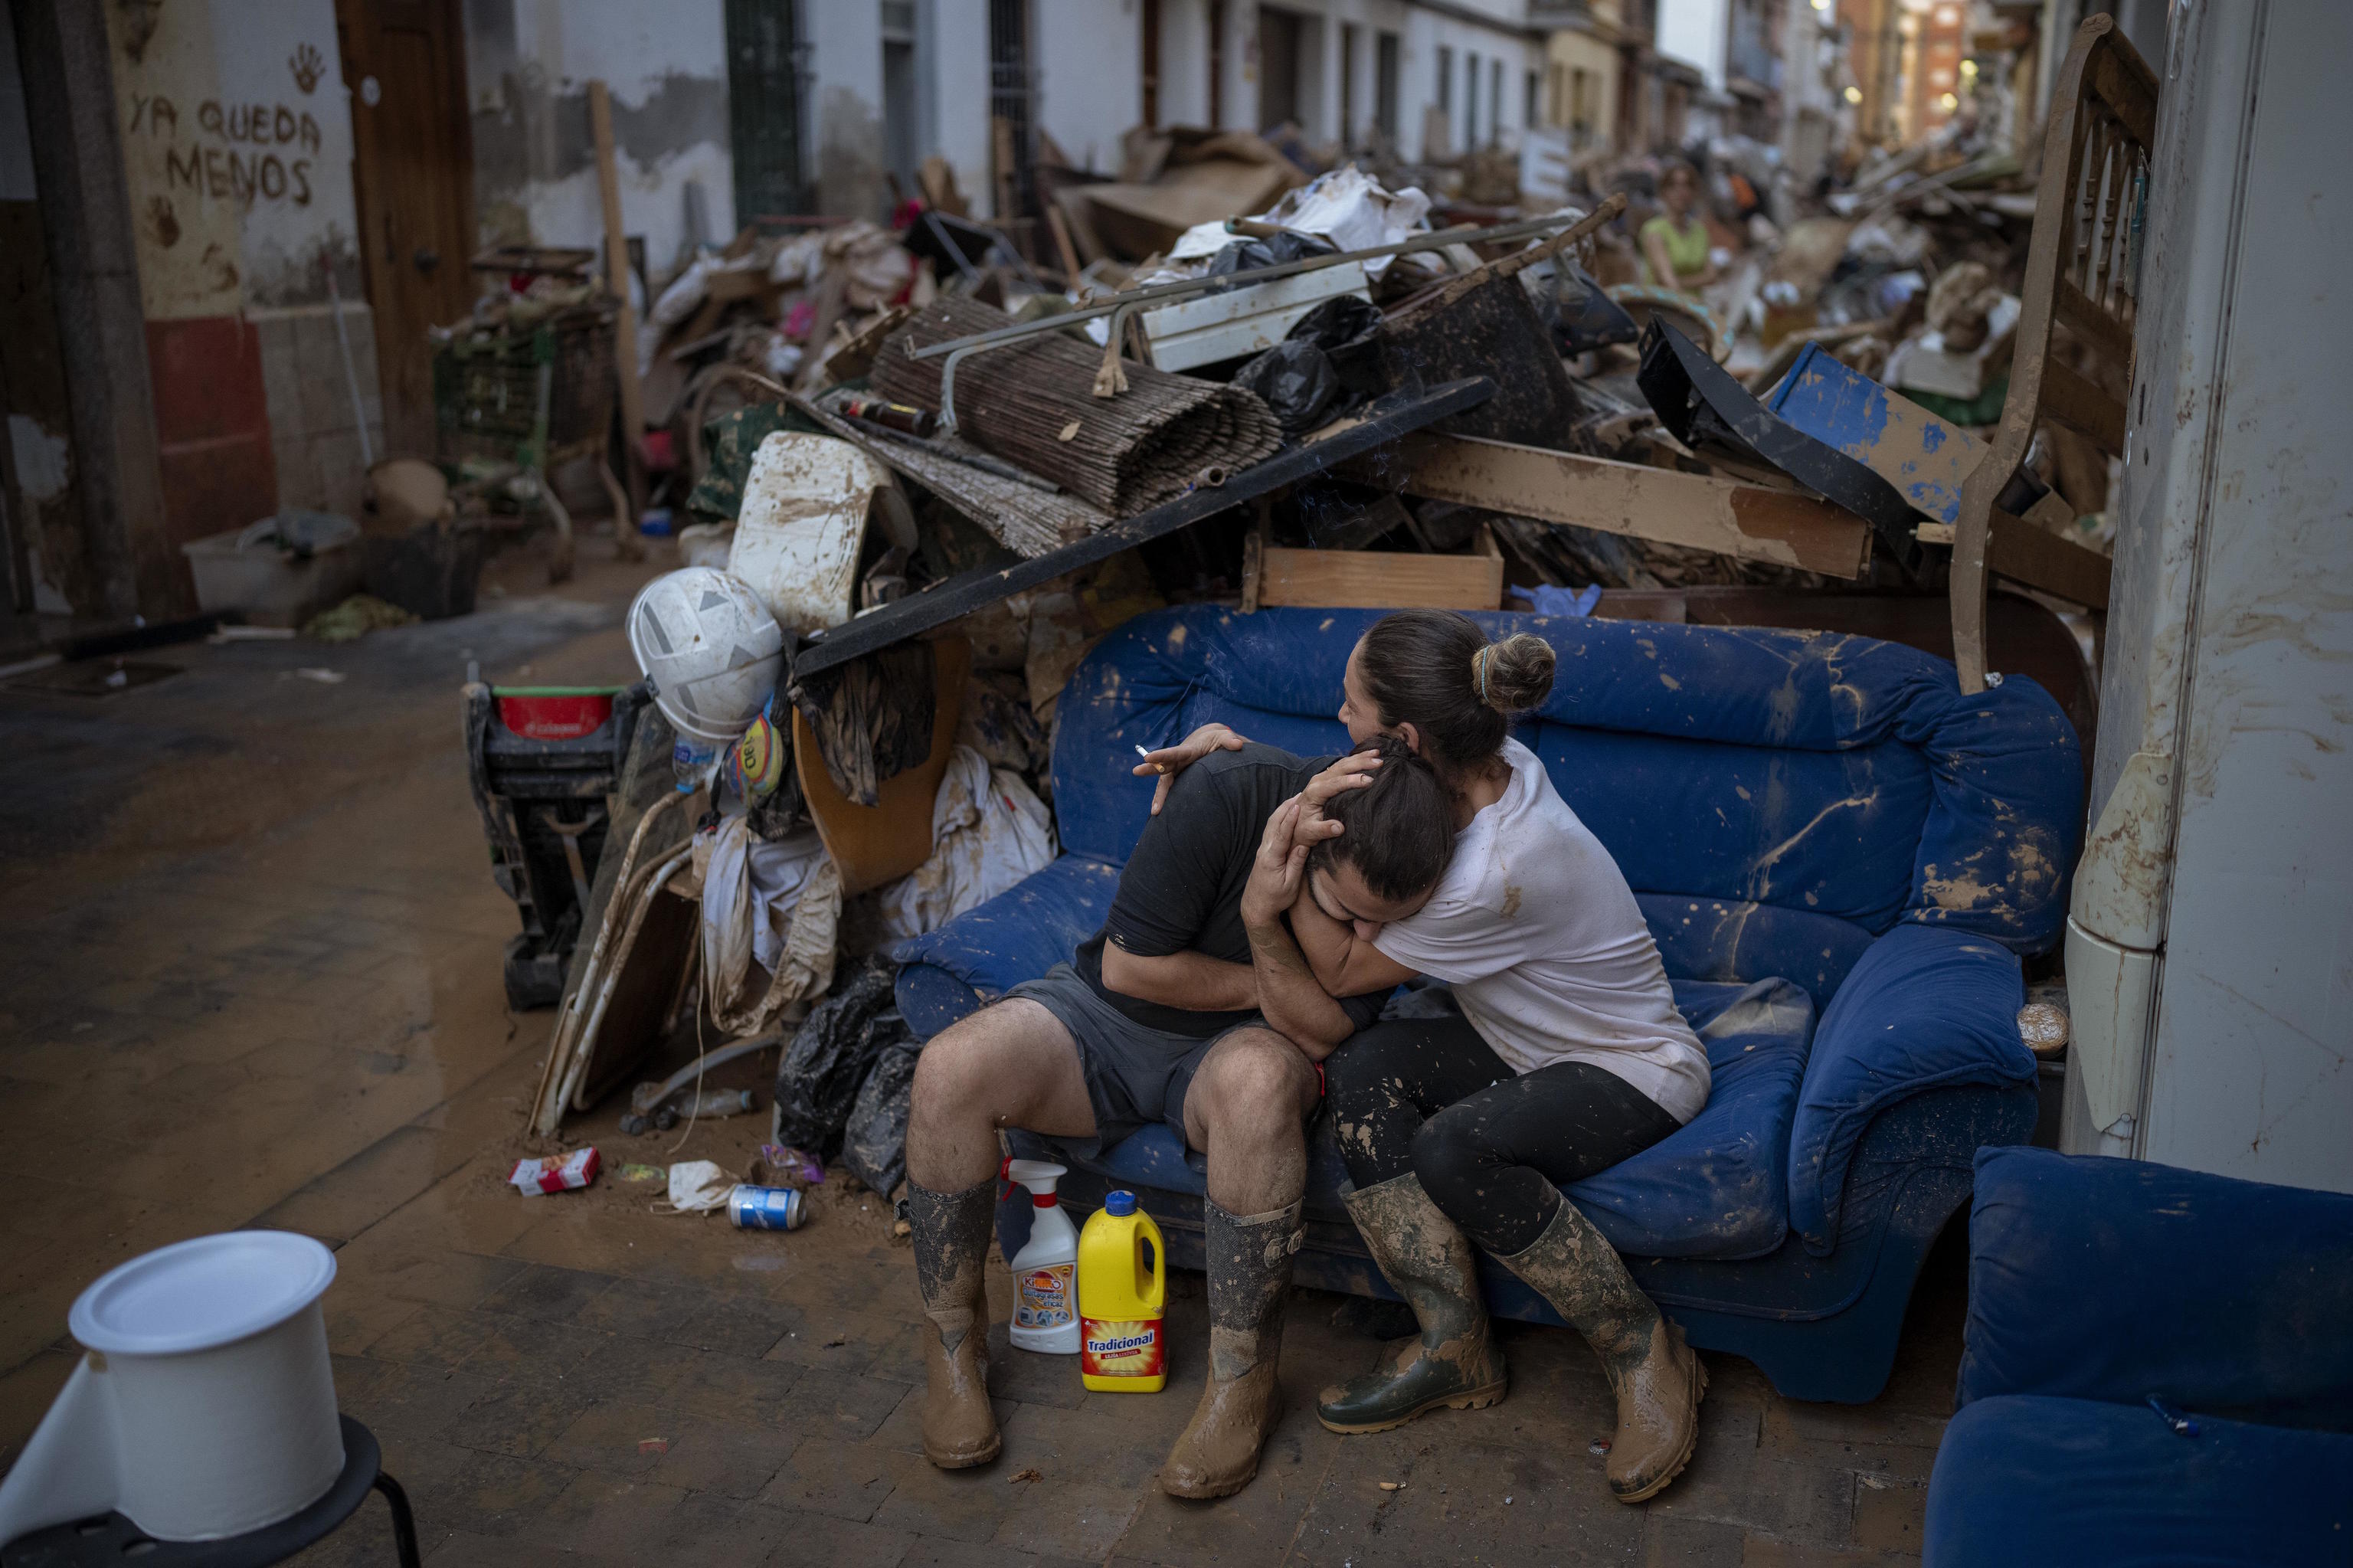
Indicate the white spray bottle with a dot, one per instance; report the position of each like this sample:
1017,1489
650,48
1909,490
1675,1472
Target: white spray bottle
1045,1271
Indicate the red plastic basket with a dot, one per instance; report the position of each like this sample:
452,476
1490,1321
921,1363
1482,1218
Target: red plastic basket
554,712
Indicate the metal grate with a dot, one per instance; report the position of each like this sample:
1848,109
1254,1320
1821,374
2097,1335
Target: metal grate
1012,98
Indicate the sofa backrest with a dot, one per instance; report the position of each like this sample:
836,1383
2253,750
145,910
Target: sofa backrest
1776,799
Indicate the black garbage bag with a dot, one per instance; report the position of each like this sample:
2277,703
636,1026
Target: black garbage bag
1250,255
831,1054
1327,365
1296,380
874,1144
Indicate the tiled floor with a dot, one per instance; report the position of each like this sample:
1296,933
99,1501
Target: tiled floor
250,974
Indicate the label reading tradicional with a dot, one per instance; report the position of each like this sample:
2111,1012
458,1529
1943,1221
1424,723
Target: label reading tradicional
1045,1301
1120,1347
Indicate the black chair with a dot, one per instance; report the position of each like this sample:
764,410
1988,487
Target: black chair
111,1538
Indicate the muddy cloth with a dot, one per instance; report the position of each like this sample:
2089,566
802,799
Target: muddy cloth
871,717
1493,1148
728,443
1182,888
874,1142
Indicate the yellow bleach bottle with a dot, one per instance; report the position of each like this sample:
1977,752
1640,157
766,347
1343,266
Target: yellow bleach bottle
1123,1291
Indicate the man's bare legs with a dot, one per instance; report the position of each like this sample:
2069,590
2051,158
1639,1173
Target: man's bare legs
1012,1064
1246,1111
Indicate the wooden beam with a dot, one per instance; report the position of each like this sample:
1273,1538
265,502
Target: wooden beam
2034,556
1379,579
625,347
1703,512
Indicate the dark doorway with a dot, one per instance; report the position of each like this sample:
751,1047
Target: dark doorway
1012,109
413,163
764,63
1151,83
1216,65
903,99
1277,66
1385,86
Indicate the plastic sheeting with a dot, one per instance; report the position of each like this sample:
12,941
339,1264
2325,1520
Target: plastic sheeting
1346,207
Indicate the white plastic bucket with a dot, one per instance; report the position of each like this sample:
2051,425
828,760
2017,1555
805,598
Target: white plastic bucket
206,1406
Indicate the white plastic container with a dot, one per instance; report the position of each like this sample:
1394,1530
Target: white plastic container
1046,1270
206,1406
234,571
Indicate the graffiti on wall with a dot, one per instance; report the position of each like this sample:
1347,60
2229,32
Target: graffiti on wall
239,153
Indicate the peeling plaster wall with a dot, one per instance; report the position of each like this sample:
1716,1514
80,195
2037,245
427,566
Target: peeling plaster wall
528,66
845,108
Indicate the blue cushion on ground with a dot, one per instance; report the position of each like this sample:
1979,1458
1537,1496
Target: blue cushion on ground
2116,1279
1714,1189
1927,1007
2026,1480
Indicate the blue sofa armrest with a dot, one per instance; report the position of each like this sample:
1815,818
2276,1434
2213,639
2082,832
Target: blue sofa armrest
1018,935
1926,1007
2115,1279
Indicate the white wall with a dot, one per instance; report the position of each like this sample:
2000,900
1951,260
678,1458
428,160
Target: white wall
1696,32
528,66
1089,59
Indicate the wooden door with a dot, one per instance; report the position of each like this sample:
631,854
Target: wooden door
413,166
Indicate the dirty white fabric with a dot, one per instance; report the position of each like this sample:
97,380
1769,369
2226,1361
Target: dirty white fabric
697,1186
1346,207
988,832
771,905
1535,929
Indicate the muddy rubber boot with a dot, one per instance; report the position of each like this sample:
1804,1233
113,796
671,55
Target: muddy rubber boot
951,1237
1250,1275
1456,1361
1658,1381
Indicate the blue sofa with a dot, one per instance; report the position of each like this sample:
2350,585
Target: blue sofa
1824,811
2095,1284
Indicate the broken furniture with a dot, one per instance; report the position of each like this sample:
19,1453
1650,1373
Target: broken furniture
2155,1369
1824,811
1381,579
1378,423
2082,274
542,762
519,401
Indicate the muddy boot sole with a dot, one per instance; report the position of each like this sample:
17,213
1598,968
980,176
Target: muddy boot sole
1475,1399
966,1461
1691,1442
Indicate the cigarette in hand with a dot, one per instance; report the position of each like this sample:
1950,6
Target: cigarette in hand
1148,757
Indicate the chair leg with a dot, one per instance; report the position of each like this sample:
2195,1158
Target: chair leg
1967,587
403,1526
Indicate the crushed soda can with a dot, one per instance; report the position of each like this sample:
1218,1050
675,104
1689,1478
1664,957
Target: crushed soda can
554,1172
750,1208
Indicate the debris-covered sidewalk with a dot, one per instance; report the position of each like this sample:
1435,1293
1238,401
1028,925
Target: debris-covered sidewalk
281,1005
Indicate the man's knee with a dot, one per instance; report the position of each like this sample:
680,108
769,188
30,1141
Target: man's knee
990,1060
1255,1077
1451,1157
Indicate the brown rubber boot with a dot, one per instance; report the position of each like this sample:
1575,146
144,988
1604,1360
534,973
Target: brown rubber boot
1250,1275
1658,1381
951,1237
1456,1361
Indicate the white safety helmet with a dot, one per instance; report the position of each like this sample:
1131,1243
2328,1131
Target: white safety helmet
712,650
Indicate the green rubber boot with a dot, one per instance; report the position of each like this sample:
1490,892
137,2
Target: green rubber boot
1455,1362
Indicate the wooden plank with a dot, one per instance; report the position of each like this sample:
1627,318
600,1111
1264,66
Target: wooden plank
2076,311
1702,511
1383,579
2075,401
624,330
2024,553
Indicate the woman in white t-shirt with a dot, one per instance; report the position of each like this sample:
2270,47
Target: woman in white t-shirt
1568,1054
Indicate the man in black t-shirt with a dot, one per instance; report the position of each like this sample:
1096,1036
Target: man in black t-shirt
1192,1006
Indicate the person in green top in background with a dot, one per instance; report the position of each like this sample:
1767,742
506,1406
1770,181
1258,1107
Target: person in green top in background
1675,243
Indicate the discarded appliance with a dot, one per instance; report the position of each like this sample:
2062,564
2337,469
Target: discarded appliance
806,503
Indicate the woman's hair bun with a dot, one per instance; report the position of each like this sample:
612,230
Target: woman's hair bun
1513,676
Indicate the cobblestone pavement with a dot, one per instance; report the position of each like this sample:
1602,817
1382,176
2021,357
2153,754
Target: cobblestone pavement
250,976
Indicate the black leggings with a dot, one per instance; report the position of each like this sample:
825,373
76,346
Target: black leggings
1493,1148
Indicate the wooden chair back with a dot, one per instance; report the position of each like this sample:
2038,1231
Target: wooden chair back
2081,273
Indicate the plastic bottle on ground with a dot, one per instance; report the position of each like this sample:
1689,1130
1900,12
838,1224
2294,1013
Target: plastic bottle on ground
1123,1292
1045,1299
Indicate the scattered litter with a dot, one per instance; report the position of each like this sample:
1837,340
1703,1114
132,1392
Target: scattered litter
1392,1485
355,619
1018,1476
554,1172
634,1172
1597,1448
750,1208
323,676
653,1444
785,1162
698,1187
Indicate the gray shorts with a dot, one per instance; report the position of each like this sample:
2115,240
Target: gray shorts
1136,1075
